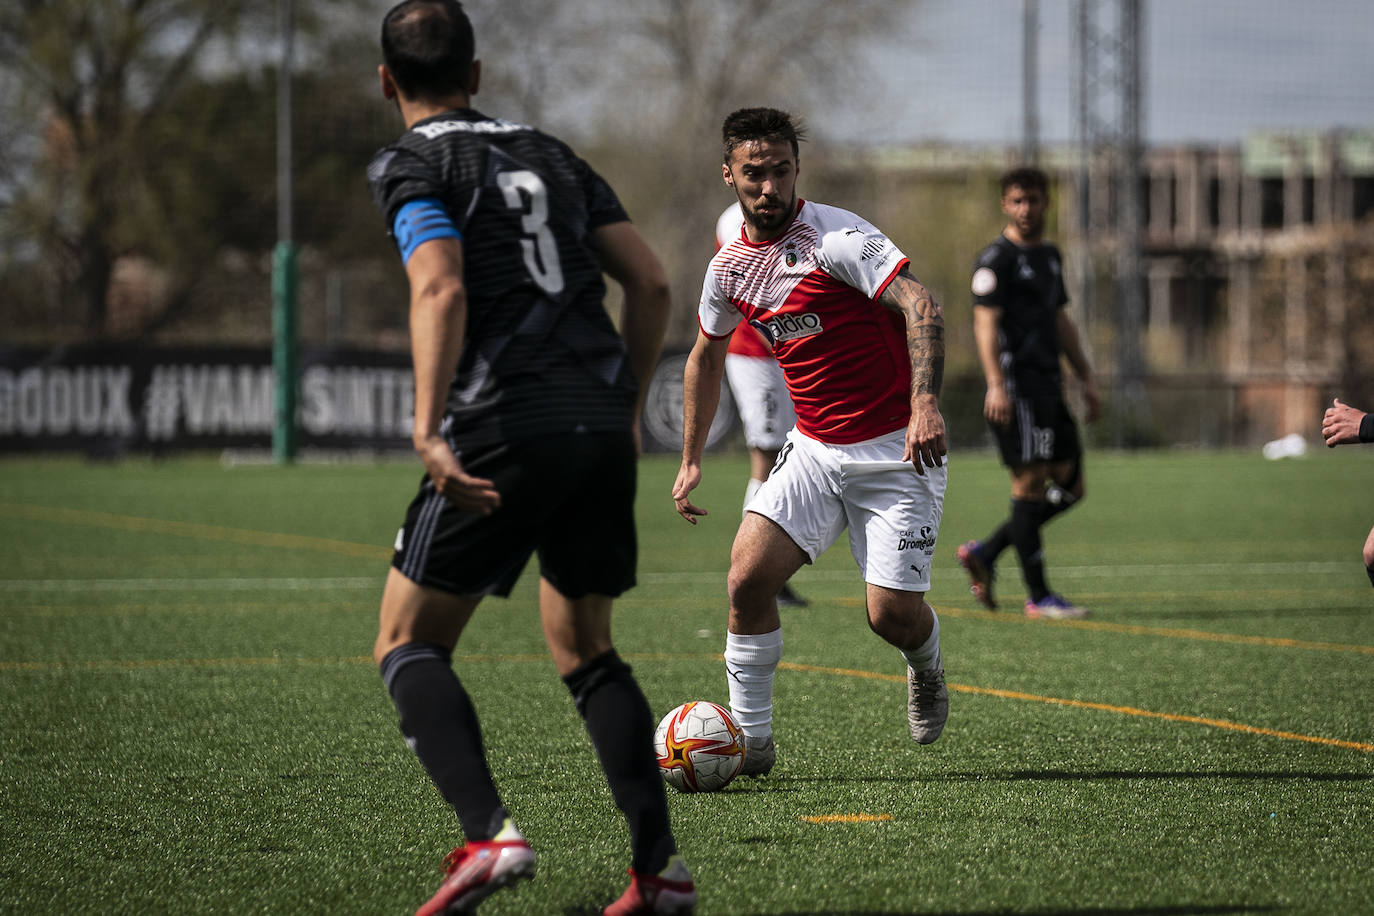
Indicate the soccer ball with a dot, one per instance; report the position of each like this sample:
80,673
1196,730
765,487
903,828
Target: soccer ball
700,747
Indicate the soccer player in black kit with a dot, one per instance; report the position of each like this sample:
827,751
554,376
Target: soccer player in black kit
1022,329
526,419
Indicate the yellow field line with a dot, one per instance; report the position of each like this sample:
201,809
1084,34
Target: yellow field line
191,530
1101,707
1132,629
845,818
1169,632
140,664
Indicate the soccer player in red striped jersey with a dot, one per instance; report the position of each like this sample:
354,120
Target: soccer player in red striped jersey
861,344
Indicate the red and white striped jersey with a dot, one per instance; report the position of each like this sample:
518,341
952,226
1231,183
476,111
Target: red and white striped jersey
812,294
746,341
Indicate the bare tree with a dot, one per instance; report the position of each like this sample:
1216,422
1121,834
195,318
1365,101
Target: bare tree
645,85
707,58
118,135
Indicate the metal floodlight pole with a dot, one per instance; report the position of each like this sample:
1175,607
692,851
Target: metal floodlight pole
284,277
1084,137
1111,204
1030,38
1134,413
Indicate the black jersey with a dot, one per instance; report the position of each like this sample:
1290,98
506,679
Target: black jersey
540,354
1027,284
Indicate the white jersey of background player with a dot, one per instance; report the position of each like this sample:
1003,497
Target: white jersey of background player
861,344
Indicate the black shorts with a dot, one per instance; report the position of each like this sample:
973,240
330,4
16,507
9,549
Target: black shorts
1041,430
568,497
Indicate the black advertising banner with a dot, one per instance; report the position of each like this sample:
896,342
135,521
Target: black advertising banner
109,400
106,400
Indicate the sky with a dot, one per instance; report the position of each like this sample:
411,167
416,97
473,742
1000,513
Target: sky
1214,71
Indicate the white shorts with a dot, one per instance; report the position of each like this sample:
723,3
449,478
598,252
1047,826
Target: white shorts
761,397
816,490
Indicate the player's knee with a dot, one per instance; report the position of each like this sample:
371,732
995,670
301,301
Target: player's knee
386,642
1029,484
1068,476
880,626
1369,551
896,621
750,590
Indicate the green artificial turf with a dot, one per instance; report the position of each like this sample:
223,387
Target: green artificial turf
190,720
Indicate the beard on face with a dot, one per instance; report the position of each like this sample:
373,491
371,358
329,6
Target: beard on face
766,222
1029,225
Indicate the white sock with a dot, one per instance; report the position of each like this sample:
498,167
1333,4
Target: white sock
750,663
751,488
924,657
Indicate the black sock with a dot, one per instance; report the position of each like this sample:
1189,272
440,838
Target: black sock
1025,534
440,724
995,543
621,726
1370,570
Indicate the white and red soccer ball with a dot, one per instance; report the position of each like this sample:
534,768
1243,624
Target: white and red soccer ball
700,747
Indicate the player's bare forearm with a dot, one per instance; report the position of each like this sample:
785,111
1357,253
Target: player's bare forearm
1072,346
438,316
925,332
643,325
701,379
985,323
925,337
996,401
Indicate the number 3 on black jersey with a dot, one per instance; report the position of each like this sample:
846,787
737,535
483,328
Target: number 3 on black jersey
541,251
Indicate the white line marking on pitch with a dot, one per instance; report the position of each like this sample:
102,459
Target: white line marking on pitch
185,584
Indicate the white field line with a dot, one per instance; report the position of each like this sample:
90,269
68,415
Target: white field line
169,584
190,584
1142,570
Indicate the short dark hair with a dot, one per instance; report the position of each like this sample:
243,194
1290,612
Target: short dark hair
767,125
428,46
1028,178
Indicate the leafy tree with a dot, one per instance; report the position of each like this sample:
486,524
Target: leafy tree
102,100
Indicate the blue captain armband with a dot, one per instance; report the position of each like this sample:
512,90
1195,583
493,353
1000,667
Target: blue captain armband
420,220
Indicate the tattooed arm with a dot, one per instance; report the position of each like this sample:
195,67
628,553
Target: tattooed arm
925,340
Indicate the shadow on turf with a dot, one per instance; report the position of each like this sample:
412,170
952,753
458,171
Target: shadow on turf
1180,910
1081,911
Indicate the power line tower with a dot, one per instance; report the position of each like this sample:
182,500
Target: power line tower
1111,211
